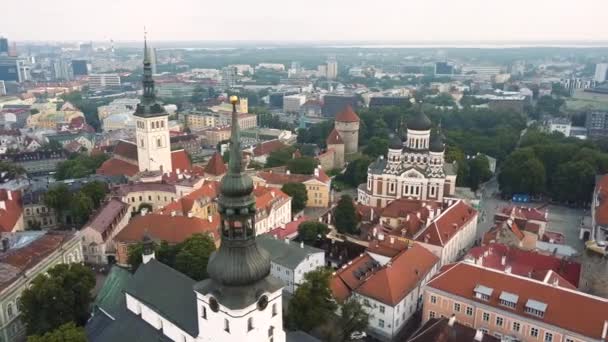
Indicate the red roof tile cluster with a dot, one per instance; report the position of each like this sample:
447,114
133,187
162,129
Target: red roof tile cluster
180,161
11,209
388,284
106,217
268,147
491,235
207,192
523,213
267,197
117,167
334,138
126,150
347,115
216,165
568,309
283,178
447,224
388,247
289,230
524,263
173,229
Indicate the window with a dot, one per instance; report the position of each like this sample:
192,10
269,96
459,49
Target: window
366,302
158,142
484,330
431,314
469,311
381,308
433,300
9,311
486,317
141,142
457,307
569,339
548,337
499,321
381,323
498,335
534,332
204,312
226,326
250,324
516,326
274,309
534,312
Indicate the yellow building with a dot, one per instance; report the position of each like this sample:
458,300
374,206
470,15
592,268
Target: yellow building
318,185
50,120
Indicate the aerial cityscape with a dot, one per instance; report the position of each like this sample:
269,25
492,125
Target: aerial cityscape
257,171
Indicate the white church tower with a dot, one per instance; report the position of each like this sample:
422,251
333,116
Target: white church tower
152,126
240,301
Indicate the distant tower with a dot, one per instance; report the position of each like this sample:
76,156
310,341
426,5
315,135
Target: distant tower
152,127
332,69
347,124
335,141
240,301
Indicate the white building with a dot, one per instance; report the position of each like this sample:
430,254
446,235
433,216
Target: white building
103,81
273,209
562,125
601,72
332,69
388,281
291,261
292,103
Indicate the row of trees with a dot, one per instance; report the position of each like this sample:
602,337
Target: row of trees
189,257
551,164
79,204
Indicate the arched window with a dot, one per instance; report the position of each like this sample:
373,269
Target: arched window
9,310
274,309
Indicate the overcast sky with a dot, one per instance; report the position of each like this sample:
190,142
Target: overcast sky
396,20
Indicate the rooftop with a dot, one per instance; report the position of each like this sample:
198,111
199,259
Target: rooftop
447,330
286,253
173,229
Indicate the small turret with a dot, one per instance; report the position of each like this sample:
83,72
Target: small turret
148,249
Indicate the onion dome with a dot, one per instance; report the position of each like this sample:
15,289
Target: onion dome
420,122
395,143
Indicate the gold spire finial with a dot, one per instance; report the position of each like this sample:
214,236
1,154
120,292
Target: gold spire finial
234,99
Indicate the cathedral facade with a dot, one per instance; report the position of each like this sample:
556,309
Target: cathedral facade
414,168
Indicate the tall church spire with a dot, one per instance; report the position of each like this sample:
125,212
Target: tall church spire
239,261
148,106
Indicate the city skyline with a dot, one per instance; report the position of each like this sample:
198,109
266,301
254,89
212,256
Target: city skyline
340,20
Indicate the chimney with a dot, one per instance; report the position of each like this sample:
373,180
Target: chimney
288,172
452,320
5,245
418,215
508,269
392,240
286,241
301,244
190,215
503,260
605,330
210,218
381,237
173,213
10,195
478,335
317,171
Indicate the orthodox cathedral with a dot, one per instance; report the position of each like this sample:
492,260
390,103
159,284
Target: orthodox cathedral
413,168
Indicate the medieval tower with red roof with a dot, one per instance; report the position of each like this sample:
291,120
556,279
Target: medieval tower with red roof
347,125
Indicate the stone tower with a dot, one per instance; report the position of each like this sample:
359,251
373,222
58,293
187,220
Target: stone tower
240,301
152,126
347,124
334,141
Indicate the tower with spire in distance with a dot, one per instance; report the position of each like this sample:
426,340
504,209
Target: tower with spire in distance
240,301
152,125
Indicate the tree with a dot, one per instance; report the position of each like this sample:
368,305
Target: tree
352,318
356,172
61,295
58,198
574,182
79,166
345,216
193,255
479,171
303,165
376,147
146,206
280,157
312,303
11,169
134,253
81,207
309,231
522,172
96,191
299,195
67,332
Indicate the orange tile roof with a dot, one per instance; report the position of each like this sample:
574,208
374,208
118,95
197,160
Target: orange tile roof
334,138
266,197
389,247
345,281
491,235
107,215
173,229
209,190
126,149
267,147
12,211
117,167
568,309
396,280
446,225
216,165
283,178
180,160
347,115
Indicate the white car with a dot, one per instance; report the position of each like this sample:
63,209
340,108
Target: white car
358,335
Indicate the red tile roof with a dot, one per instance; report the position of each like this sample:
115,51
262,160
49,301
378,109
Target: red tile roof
388,247
126,149
447,224
117,167
180,161
334,138
266,197
207,192
283,178
109,214
345,281
524,263
267,147
568,309
216,165
491,235
347,115
11,210
173,229
525,213
290,229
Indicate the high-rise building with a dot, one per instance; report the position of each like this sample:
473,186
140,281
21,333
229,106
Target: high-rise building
601,72
10,69
332,69
103,81
80,67
62,70
229,75
3,46
152,127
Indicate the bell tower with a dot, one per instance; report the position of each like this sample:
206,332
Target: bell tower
240,301
152,126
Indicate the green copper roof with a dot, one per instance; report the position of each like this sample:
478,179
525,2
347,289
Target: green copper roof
111,295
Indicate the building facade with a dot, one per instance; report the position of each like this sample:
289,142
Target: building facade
98,234
412,169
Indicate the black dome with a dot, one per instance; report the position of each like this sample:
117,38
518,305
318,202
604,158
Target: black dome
436,144
395,143
420,122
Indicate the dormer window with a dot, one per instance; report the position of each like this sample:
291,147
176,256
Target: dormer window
535,308
508,299
483,292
